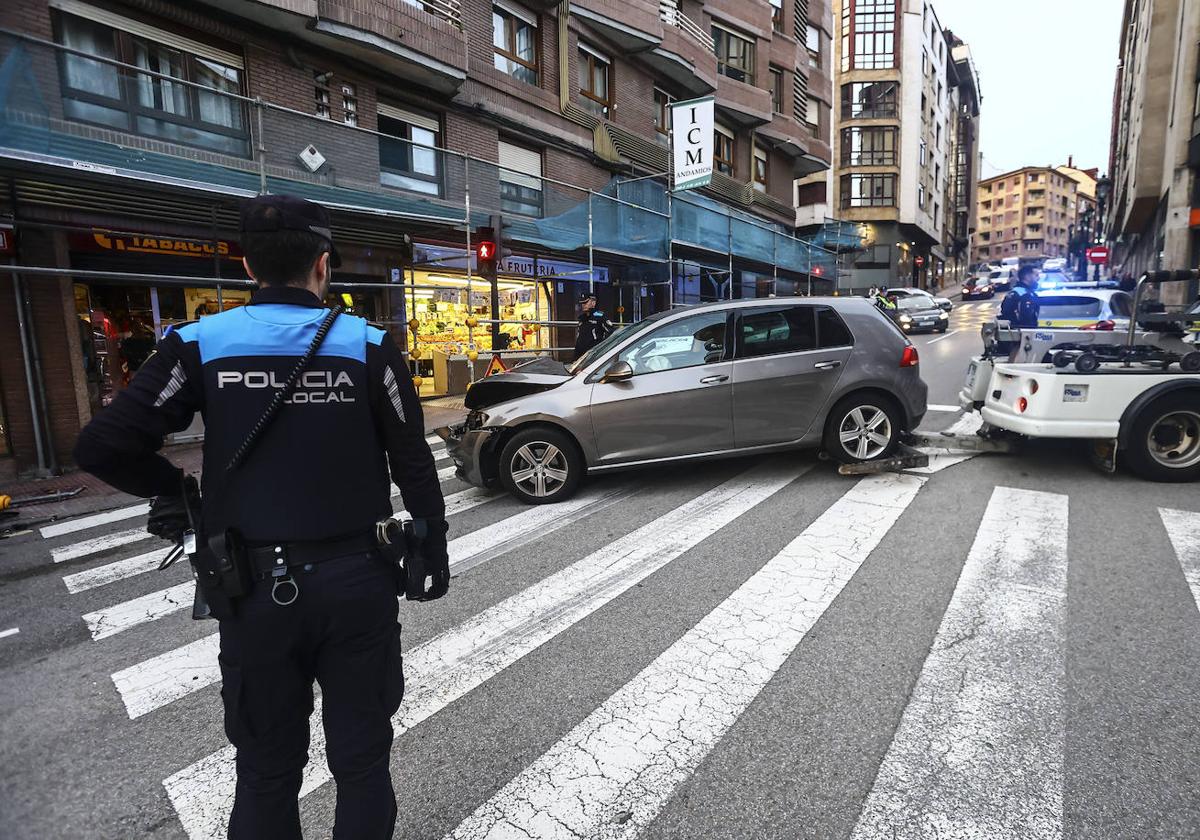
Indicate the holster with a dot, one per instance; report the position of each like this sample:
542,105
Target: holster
222,571
401,545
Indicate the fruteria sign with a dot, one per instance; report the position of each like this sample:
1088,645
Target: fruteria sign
692,142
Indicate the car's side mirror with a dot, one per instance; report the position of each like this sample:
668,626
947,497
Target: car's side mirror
619,371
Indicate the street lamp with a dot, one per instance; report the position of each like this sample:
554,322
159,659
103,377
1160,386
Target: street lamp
1103,189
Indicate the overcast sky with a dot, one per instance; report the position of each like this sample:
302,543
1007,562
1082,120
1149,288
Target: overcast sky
1046,69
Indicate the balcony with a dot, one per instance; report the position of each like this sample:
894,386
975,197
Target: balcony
686,54
743,103
633,25
809,154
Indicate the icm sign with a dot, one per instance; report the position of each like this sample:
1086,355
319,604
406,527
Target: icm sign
692,141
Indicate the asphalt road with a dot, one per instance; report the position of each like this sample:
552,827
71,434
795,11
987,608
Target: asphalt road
999,647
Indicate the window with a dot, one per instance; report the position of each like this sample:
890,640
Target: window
768,333
148,105
515,40
594,87
735,55
831,329
924,63
723,150
662,111
776,90
923,153
869,39
876,190
762,163
777,15
813,116
869,146
921,196
689,342
407,157
520,179
812,39
937,174
349,104
869,100
321,95
875,256
938,141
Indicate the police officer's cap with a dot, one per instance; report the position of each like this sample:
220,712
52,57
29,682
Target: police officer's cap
266,213
586,296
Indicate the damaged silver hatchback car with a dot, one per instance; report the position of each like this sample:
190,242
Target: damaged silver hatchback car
714,380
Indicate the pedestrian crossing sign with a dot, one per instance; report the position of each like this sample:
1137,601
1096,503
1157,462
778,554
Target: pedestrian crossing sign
496,366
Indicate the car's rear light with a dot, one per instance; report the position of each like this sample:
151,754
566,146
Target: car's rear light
1102,326
910,357
1022,404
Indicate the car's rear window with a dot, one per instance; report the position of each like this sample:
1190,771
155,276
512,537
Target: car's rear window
1070,306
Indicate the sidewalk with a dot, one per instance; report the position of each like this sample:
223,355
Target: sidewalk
97,496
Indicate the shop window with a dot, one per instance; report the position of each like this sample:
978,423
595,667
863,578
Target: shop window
735,54
723,150
874,146
770,333
874,190
520,180
762,164
777,90
349,104
408,155
205,116
595,70
869,100
515,40
662,111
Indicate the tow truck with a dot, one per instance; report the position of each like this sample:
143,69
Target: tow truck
1139,398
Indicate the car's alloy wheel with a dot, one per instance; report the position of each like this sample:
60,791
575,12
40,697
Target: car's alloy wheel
865,433
540,465
540,469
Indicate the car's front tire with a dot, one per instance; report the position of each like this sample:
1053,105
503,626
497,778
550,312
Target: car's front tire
862,428
541,465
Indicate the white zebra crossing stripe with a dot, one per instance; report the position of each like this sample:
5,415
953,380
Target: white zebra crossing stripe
116,619
450,666
95,520
631,753
98,544
1183,528
117,570
979,749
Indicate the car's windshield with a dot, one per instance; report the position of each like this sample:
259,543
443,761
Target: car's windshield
607,344
915,302
1075,306
995,275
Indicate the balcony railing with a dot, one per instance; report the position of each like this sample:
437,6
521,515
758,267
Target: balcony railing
447,10
670,14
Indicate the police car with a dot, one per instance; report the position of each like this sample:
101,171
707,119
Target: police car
1084,306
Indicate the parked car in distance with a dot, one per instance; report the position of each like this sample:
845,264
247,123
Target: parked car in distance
918,313
707,381
1055,264
908,291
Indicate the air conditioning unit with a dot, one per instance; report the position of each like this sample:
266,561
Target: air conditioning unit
311,158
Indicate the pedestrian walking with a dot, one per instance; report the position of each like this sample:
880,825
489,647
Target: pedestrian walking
594,325
1020,306
306,411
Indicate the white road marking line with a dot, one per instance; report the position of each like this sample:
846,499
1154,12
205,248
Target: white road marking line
447,473
979,750
942,337
434,440
98,544
1183,528
117,570
949,409
120,617
73,525
455,663
11,631
631,754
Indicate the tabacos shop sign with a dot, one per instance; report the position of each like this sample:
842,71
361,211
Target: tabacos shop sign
154,244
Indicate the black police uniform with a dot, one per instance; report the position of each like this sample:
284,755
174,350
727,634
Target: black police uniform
315,486
593,328
1021,307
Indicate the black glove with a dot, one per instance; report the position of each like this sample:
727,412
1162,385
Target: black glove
436,556
169,516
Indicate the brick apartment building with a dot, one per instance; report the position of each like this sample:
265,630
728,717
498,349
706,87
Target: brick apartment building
1029,213
129,132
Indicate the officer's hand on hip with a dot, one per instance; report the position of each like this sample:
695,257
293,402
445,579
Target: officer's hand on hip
169,516
437,558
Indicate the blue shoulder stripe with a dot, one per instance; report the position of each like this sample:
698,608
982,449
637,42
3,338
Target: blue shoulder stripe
278,330
375,335
187,332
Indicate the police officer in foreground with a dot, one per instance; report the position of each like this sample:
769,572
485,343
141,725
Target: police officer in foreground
594,325
1021,307
295,481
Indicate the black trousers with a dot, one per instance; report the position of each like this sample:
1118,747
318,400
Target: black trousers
342,631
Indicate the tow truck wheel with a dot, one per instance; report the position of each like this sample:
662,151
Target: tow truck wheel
1164,441
862,428
1087,363
540,466
1190,363
1060,359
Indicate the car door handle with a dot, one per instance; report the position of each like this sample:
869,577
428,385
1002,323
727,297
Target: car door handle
713,380
827,365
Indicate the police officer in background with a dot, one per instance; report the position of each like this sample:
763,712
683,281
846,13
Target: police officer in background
594,325
1021,307
322,601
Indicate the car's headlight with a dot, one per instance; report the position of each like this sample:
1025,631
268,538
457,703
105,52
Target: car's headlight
944,316
476,420
906,319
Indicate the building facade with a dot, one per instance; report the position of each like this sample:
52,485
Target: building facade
1086,230
1152,220
131,130
1028,214
896,167
965,159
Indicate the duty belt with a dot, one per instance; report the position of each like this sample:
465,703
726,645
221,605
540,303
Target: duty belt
276,560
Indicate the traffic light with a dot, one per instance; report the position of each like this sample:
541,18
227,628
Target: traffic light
489,251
